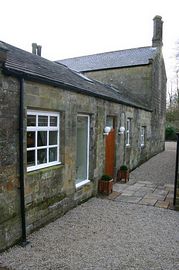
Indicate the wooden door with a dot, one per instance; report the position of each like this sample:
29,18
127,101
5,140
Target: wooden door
110,153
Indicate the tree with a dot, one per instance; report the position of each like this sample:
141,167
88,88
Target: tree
173,89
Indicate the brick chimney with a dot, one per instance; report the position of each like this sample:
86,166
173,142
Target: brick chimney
157,40
36,49
3,54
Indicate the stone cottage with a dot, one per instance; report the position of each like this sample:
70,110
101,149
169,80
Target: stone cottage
61,129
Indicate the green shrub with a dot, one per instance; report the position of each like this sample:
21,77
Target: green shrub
123,168
170,134
106,177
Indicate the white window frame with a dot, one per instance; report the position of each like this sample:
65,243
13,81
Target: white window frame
44,128
142,136
85,181
128,131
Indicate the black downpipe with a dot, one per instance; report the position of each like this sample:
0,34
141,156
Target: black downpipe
176,170
21,162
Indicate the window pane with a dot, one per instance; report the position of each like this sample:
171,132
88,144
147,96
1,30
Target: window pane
53,154
52,137
31,158
128,124
110,121
31,120
41,156
30,139
142,136
82,149
53,121
42,138
42,121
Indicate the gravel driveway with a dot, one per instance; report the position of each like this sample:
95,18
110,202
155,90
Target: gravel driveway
103,234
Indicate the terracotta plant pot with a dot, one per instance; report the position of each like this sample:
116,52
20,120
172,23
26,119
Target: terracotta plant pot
105,187
123,174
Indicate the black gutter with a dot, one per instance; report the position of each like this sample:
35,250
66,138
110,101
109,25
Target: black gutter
21,163
176,170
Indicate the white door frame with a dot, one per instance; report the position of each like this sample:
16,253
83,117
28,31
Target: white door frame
83,182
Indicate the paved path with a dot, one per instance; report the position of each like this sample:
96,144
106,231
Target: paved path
104,234
152,183
160,169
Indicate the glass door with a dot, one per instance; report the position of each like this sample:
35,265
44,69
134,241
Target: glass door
82,156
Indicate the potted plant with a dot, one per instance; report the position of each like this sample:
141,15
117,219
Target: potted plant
123,173
105,184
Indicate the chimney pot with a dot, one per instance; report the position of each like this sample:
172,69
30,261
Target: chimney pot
157,32
39,50
34,48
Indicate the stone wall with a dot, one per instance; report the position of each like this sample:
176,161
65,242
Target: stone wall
136,80
146,83
50,192
10,223
158,101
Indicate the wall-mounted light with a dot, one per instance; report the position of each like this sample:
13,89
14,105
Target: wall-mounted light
121,130
107,130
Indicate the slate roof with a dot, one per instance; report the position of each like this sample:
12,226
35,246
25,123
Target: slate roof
108,60
34,67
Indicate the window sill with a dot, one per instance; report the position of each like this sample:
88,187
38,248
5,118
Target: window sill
82,183
29,170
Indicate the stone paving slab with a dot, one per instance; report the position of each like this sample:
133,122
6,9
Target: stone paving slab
128,193
155,196
168,187
119,188
161,192
162,204
113,195
152,183
170,195
129,199
140,193
143,193
148,201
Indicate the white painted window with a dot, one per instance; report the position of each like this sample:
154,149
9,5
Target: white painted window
42,139
142,136
82,150
128,131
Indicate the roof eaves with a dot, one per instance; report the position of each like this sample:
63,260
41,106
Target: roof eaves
117,67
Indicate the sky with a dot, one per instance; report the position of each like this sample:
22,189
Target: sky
70,28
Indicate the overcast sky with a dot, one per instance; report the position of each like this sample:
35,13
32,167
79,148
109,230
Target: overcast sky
69,28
